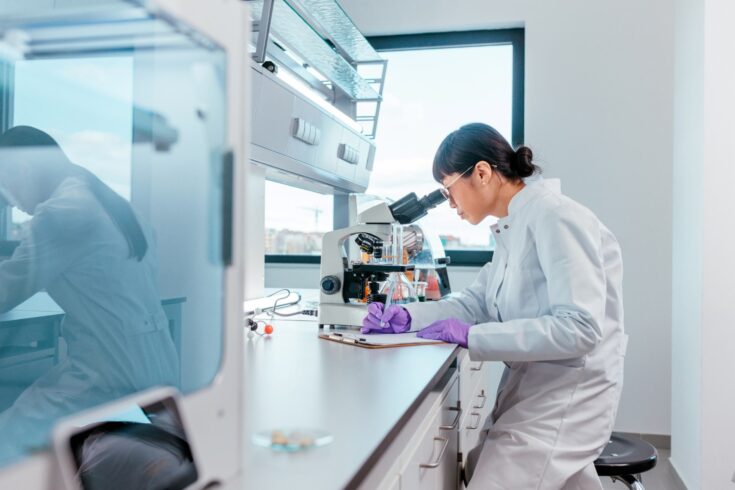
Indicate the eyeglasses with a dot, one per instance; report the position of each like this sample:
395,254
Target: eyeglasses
445,189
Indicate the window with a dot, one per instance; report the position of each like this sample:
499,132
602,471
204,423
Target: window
435,84
295,220
82,93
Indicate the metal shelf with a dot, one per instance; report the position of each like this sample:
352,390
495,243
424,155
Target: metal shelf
92,26
332,22
319,43
292,32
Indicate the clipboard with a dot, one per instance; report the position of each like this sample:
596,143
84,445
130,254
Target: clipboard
378,341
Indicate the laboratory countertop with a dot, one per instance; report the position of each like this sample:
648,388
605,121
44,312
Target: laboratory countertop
362,397
37,306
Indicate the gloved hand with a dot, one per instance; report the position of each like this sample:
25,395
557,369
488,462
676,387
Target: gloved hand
395,320
449,330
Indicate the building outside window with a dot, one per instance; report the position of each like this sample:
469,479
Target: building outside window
295,220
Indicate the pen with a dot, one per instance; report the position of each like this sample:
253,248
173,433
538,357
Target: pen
388,301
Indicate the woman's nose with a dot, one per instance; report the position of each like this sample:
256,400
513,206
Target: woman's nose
452,204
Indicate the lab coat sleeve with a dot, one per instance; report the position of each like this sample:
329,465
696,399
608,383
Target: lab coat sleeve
52,244
568,243
469,305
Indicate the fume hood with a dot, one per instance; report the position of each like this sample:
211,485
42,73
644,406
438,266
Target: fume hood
316,91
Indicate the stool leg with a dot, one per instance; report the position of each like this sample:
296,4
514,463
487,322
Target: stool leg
629,481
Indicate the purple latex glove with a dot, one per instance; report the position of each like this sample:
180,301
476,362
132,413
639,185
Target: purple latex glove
449,330
395,320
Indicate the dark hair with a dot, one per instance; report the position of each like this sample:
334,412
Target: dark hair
475,142
116,207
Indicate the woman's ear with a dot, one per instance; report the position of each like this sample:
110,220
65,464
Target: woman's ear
484,172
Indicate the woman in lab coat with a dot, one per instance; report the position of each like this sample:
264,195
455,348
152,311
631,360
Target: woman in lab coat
87,249
549,306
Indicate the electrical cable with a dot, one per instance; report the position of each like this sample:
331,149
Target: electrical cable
276,306
253,325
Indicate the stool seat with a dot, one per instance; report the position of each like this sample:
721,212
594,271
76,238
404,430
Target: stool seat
625,456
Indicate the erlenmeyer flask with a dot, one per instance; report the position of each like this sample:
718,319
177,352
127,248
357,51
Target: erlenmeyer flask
398,289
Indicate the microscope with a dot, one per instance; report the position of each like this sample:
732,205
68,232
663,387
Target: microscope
391,251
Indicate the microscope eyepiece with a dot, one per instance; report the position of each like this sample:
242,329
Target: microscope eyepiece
433,199
410,208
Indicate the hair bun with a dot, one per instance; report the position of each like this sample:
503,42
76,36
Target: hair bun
523,163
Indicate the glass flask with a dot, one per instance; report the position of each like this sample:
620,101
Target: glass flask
398,289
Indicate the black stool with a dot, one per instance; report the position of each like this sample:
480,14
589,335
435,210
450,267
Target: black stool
625,459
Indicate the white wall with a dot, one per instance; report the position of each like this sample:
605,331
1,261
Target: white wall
599,90
703,338
686,368
718,307
718,266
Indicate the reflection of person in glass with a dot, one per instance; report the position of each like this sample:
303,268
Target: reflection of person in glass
87,249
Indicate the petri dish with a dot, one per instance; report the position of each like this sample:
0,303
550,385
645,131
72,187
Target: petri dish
292,439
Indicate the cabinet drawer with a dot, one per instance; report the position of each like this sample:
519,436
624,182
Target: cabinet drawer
350,155
431,462
422,467
473,420
424,454
306,130
272,123
471,375
364,166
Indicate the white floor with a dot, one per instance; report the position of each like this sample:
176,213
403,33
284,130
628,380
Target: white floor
659,478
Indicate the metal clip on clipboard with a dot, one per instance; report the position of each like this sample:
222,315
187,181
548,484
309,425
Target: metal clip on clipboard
378,341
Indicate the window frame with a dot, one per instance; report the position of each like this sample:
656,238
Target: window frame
454,39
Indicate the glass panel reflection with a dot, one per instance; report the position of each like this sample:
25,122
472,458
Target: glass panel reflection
297,35
331,17
111,274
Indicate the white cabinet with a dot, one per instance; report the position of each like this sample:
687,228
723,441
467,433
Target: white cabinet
432,456
432,445
349,146
272,116
424,454
292,134
478,383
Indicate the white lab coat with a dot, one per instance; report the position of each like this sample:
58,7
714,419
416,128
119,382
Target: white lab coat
550,306
115,329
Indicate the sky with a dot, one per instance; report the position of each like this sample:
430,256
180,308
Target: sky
85,104
427,95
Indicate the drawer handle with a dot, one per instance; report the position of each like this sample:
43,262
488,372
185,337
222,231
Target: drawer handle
438,461
305,132
477,424
456,419
484,399
348,154
478,368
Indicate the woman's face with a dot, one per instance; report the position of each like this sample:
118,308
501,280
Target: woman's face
474,193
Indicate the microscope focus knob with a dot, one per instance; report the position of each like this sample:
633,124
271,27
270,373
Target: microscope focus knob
330,284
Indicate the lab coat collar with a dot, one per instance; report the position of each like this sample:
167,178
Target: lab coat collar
533,188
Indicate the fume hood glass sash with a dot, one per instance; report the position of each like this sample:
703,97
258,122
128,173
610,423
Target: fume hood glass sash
93,30
291,31
150,126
